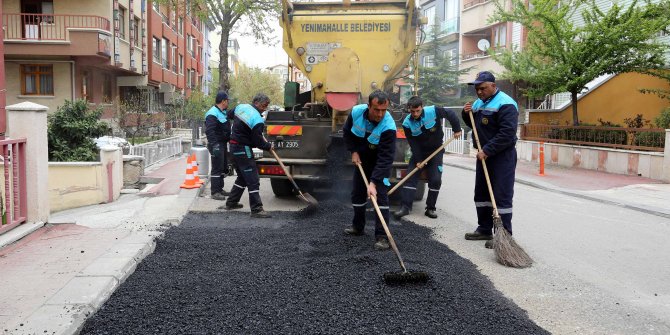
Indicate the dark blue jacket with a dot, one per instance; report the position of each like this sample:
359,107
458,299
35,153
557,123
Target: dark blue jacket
429,140
497,120
384,151
249,133
217,131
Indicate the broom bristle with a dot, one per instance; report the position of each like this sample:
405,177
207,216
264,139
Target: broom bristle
508,252
409,277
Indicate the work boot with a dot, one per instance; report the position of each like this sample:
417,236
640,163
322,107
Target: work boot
431,213
235,205
260,214
224,192
400,213
218,196
477,236
353,231
382,243
489,244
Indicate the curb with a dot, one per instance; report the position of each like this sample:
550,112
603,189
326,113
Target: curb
575,194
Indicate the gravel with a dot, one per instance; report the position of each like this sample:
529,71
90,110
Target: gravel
297,273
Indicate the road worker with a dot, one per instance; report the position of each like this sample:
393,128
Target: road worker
247,133
370,135
496,119
423,129
217,129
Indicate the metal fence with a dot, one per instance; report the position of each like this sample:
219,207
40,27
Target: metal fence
157,151
456,146
646,139
14,202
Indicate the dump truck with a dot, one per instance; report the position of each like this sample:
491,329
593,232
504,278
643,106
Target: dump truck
346,50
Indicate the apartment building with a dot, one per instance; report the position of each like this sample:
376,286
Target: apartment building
68,49
176,42
446,14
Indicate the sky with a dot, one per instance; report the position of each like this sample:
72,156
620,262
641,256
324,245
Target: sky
253,54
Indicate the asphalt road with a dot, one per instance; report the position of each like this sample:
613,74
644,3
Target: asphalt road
223,273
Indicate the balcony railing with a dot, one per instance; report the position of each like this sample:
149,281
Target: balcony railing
647,139
49,27
473,3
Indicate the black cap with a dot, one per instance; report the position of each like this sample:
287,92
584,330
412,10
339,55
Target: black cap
482,77
221,96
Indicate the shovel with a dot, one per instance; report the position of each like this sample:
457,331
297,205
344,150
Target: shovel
303,196
402,181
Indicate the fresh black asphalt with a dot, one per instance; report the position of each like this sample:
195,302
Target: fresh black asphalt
297,273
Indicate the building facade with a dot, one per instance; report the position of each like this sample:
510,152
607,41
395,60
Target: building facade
101,51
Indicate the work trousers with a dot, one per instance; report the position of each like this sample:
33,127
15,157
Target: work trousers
501,168
434,173
247,177
359,200
219,167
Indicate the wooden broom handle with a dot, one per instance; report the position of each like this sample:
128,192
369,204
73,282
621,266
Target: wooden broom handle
444,145
486,171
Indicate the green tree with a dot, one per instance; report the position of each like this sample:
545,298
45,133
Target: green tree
71,130
227,16
253,80
562,57
438,83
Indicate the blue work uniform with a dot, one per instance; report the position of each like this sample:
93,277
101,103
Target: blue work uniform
496,120
375,144
424,136
217,129
247,133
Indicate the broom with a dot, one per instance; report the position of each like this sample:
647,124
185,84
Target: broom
507,251
424,162
404,276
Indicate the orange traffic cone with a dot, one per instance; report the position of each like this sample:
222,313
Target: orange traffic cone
194,167
190,180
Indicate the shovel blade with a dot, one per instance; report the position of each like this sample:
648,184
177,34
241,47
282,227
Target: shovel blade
309,199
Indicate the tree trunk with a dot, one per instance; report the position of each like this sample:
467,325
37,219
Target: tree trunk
224,83
575,117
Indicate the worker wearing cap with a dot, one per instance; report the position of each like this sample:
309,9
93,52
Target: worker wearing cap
217,129
423,129
247,133
370,135
496,117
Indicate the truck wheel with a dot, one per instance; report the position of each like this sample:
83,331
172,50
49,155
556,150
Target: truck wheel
281,187
420,190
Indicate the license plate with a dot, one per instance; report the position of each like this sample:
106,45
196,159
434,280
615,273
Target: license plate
286,144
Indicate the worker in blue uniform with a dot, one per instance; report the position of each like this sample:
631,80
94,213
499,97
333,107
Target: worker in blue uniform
370,135
217,129
423,129
247,133
496,119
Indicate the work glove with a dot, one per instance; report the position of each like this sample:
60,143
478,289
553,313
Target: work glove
216,150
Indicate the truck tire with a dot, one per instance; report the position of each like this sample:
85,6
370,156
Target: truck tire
281,187
420,190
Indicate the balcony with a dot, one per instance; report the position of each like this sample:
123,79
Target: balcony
56,34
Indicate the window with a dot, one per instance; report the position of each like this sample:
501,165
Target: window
428,61
500,36
174,58
37,79
188,43
136,31
156,6
165,54
194,79
181,64
180,26
450,56
157,50
48,8
122,23
106,88
173,19
430,14
188,79
86,93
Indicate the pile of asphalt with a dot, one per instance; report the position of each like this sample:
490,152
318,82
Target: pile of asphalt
224,273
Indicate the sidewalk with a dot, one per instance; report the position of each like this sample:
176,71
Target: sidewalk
61,273
632,192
